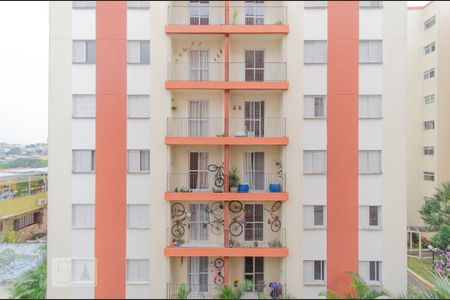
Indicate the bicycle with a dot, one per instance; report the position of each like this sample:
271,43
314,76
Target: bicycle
235,206
178,229
219,180
177,210
215,208
274,219
237,226
218,265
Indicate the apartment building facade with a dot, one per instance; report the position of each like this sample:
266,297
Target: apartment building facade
428,122
199,143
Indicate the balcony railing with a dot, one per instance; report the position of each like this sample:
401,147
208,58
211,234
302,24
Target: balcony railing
205,181
257,127
215,15
211,291
193,127
239,127
210,235
239,71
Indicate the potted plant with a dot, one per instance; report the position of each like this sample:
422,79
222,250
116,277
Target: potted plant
275,187
234,180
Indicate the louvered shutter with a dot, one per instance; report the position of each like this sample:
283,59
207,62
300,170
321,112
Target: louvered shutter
83,106
82,161
309,52
320,51
363,217
83,216
308,271
318,162
138,106
364,51
134,52
134,161
79,52
363,106
308,107
308,162
138,270
374,106
374,161
138,216
375,51
364,270
308,216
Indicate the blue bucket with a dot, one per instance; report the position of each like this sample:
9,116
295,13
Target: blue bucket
275,188
244,188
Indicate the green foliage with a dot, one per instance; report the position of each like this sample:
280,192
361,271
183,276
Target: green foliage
9,236
182,291
234,177
441,290
24,163
14,151
441,240
436,211
235,15
361,290
234,291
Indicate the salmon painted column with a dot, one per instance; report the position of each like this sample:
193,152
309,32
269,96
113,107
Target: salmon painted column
111,148
342,148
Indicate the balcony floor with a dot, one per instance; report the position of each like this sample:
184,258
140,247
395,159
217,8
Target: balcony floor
227,29
254,141
228,252
227,85
210,196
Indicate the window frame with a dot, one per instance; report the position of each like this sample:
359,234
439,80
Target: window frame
89,226
147,281
141,56
371,99
429,176
313,152
322,264
431,20
74,97
430,48
368,169
144,208
370,60
94,6
429,125
139,6
315,5
315,60
429,99
428,150
86,61
363,4
314,99
429,74
140,97
92,162
141,171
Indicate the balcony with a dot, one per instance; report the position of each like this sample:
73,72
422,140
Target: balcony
211,19
243,75
242,131
210,291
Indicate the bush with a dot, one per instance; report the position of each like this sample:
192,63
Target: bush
442,239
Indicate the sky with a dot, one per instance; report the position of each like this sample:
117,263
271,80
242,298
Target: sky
24,70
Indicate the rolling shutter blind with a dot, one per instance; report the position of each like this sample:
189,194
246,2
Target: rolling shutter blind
134,161
370,51
138,216
308,271
369,162
315,52
137,270
309,52
363,217
308,107
83,161
79,52
83,216
370,106
83,106
314,162
308,216
364,270
138,106
134,52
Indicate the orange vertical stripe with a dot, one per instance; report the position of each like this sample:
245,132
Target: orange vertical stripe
342,149
111,147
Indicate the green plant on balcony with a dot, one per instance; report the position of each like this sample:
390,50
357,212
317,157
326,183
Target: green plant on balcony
235,291
183,189
217,190
182,291
235,15
275,244
235,179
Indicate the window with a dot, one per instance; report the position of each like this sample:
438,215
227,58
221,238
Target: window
83,161
369,106
430,22
83,106
316,4
429,99
254,65
313,216
254,272
369,217
199,12
314,271
370,162
138,106
314,162
314,107
83,271
198,271
138,4
428,74
428,125
371,4
83,216
139,52
198,222
429,48
370,51
428,150
199,65
254,222
83,52
138,161
315,52
138,270
83,4
254,12
138,216
370,271
24,221
428,176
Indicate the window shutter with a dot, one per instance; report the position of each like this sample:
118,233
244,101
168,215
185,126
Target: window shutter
363,217
320,51
363,166
374,106
137,270
138,216
79,52
363,106
83,216
364,270
138,106
309,52
318,162
307,162
374,161
83,106
319,107
308,271
134,52
82,161
363,51
308,216
308,107
375,51
134,161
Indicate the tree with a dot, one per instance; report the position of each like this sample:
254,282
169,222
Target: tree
442,239
436,211
361,290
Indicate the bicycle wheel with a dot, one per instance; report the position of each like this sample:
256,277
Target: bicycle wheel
212,168
219,182
216,226
177,231
276,206
216,208
219,279
235,206
236,228
178,210
219,263
275,226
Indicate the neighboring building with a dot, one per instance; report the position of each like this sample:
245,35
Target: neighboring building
23,205
428,120
306,99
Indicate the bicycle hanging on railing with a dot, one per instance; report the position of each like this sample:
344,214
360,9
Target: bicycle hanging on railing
274,219
181,220
219,177
215,217
236,227
217,270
